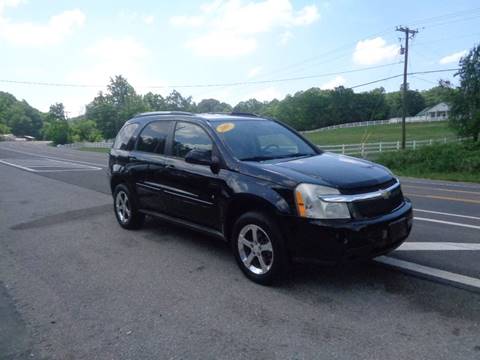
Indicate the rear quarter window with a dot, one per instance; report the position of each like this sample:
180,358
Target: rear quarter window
124,138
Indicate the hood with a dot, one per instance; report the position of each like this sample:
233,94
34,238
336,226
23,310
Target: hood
334,170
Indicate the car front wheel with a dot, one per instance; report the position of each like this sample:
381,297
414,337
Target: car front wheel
258,248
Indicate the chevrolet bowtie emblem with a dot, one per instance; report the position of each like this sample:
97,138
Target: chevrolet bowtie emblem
386,194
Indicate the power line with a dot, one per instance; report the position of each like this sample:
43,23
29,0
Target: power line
205,85
247,83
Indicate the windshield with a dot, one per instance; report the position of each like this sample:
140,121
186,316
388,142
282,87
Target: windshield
261,140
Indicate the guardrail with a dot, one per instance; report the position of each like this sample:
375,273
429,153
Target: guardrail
364,149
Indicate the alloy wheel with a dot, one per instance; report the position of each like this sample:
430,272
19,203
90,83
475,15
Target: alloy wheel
255,249
122,206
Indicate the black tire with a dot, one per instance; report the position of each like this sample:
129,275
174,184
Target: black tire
277,264
131,219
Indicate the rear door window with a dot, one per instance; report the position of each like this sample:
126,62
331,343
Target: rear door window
153,137
123,140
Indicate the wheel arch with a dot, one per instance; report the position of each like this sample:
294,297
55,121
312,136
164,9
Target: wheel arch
243,203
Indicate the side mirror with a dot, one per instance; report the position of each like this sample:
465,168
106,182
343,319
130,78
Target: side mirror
203,157
200,157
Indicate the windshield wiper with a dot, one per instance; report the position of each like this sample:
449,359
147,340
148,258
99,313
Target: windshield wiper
285,156
258,158
293,155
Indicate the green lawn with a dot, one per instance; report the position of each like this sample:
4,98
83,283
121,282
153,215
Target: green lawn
418,131
99,150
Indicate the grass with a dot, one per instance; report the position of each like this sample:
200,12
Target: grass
454,162
377,133
98,150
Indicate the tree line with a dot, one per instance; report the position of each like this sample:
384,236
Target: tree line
304,110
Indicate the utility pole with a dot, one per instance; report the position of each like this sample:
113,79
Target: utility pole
409,34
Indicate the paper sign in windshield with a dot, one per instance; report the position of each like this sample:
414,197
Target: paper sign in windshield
225,127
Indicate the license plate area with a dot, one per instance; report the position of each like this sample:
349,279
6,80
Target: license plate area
398,229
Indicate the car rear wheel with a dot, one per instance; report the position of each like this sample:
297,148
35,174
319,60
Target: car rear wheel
125,209
259,249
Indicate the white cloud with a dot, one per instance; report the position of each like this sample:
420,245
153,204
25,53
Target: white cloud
149,19
453,58
254,72
56,30
9,3
107,57
286,37
332,84
190,21
266,94
230,28
225,44
112,56
374,51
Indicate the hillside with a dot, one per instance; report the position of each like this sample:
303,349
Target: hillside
417,131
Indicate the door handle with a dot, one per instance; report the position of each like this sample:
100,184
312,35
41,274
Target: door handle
170,166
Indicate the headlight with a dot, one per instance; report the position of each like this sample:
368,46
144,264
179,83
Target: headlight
310,204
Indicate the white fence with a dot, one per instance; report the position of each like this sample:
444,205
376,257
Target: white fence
365,149
411,119
78,145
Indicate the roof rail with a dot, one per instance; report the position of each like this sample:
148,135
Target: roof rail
239,113
152,113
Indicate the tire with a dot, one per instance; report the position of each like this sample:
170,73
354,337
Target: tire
262,257
125,209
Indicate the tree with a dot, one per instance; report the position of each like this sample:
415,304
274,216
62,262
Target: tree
252,106
85,130
465,111
176,102
414,100
154,102
213,106
441,93
103,112
19,116
4,129
55,127
111,110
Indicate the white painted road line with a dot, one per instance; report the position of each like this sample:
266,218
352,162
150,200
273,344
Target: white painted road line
447,214
17,166
52,157
447,223
448,277
40,165
438,246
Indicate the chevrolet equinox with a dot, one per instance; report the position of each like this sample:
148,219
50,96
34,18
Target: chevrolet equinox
257,184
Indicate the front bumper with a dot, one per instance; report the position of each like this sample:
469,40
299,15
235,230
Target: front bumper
334,241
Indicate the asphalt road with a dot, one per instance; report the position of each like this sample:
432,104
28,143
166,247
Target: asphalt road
74,285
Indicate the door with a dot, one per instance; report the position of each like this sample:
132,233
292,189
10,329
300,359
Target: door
150,149
191,190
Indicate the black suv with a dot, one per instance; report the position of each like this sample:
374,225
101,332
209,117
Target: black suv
257,184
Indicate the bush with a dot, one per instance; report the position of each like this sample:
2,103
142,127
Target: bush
438,158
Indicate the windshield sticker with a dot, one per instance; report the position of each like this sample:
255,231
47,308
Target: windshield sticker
225,127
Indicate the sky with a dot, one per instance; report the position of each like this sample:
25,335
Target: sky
264,49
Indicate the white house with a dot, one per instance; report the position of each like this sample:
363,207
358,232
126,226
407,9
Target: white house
436,112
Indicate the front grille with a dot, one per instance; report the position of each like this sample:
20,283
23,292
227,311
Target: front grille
367,189
377,207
